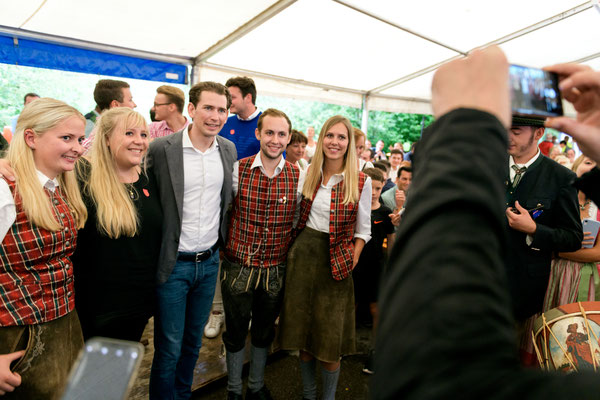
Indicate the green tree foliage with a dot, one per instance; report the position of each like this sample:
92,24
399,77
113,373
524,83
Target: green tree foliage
16,81
396,127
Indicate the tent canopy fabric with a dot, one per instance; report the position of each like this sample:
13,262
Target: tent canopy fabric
380,54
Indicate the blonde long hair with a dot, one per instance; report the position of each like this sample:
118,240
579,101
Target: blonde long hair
116,213
314,174
40,116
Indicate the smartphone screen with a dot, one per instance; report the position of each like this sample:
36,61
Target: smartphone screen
104,370
534,92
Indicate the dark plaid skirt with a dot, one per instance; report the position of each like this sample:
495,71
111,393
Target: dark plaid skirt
318,311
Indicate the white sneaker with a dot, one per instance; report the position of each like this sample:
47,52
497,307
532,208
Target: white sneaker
215,322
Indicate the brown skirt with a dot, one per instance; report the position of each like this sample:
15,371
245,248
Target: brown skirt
51,348
318,311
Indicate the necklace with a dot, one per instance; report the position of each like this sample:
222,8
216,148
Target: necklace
133,194
584,205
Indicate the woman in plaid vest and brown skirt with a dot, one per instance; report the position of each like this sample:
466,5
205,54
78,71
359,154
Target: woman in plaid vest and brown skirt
334,225
40,213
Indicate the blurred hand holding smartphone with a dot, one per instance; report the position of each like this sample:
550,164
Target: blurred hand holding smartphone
534,92
592,226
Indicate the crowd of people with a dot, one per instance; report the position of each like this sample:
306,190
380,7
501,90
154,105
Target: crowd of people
242,220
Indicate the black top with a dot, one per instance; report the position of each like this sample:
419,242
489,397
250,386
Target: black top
368,270
381,226
446,329
116,277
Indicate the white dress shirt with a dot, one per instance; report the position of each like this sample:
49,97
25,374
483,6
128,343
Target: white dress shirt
318,218
257,163
394,173
202,184
8,210
511,162
250,117
362,164
310,150
302,164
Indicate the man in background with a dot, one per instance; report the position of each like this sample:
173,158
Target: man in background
396,197
547,144
240,128
542,218
168,112
108,93
396,157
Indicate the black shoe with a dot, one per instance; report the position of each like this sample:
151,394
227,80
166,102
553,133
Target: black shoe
262,394
368,367
233,396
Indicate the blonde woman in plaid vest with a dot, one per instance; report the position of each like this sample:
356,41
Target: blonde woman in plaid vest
40,213
267,190
334,225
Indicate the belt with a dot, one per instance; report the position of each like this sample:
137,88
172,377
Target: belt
199,256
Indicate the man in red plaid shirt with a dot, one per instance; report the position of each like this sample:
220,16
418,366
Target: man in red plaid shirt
266,192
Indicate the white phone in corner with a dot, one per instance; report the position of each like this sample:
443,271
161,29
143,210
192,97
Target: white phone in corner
105,370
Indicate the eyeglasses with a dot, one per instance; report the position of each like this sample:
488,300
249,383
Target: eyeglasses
161,104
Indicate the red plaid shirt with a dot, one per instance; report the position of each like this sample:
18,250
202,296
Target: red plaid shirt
36,274
263,213
342,220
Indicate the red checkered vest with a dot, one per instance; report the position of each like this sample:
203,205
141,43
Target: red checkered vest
36,274
262,216
342,220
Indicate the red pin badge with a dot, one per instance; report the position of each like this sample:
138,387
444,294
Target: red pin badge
146,192
232,132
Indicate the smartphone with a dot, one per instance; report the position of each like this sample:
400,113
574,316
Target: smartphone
591,225
104,370
534,92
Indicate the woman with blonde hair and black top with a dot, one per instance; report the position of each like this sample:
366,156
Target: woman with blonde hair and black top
40,212
334,225
115,260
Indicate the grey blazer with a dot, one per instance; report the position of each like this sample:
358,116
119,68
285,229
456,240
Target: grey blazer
165,156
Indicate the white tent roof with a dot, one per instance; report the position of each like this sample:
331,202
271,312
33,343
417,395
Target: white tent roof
383,52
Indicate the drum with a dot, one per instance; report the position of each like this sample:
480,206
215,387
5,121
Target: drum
566,338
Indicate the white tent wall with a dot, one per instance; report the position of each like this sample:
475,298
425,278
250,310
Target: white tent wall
274,86
398,105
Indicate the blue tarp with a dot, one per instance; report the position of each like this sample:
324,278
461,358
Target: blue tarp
33,53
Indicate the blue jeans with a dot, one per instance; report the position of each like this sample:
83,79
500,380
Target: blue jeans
183,306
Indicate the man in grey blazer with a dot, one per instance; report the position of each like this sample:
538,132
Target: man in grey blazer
193,169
